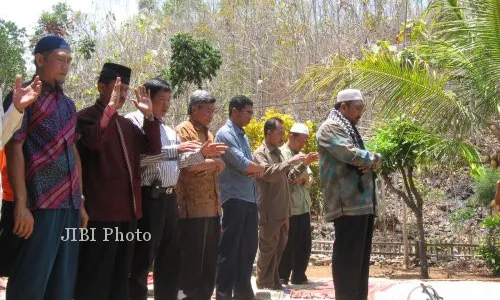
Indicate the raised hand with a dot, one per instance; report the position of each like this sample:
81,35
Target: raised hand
22,97
213,149
143,100
114,101
301,157
188,146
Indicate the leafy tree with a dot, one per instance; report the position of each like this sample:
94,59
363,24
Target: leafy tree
408,147
193,60
58,22
11,52
61,21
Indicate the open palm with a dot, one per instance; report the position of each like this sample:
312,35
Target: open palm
23,97
143,100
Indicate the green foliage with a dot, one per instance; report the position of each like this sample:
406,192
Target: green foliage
11,52
485,185
490,248
430,194
405,144
86,47
193,60
417,29
460,217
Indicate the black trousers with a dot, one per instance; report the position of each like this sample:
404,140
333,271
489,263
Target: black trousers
295,258
9,242
199,243
104,264
237,250
160,218
351,256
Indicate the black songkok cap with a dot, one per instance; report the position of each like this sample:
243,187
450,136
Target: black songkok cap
110,71
49,43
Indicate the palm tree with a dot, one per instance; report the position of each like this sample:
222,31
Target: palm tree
449,79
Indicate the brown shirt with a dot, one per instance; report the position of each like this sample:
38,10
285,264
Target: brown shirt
273,191
197,194
107,186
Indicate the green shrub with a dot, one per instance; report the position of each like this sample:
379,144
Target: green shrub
460,218
489,250
485,185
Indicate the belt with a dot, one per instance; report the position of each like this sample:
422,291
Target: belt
166,190
161,189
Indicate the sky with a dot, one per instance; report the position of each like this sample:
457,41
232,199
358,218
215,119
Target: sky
25,13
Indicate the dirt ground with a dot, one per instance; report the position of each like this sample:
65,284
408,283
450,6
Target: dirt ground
400,273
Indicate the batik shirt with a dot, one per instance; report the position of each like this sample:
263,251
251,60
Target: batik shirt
48,135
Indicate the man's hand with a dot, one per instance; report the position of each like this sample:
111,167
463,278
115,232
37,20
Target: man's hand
213,149
84,217
363,169
299,181
217,167
22,97
255,175
311,157
220,166
143,101
260,171
376,165
189,146
301,157
23,221
114,101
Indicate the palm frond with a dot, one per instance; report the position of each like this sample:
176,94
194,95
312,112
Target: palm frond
477,37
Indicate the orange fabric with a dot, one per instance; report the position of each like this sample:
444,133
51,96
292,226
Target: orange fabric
7,193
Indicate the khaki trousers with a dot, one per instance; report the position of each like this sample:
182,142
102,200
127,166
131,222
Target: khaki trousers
273,237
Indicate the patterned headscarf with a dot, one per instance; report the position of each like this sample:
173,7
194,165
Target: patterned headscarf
349,127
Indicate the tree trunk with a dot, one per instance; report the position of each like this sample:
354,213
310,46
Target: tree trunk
406,256
424,266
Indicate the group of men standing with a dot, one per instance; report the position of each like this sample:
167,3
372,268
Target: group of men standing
198,205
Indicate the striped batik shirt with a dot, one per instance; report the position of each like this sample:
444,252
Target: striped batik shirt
48,136
165,166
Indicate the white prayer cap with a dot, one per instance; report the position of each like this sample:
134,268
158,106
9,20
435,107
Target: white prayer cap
349,95
299,128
